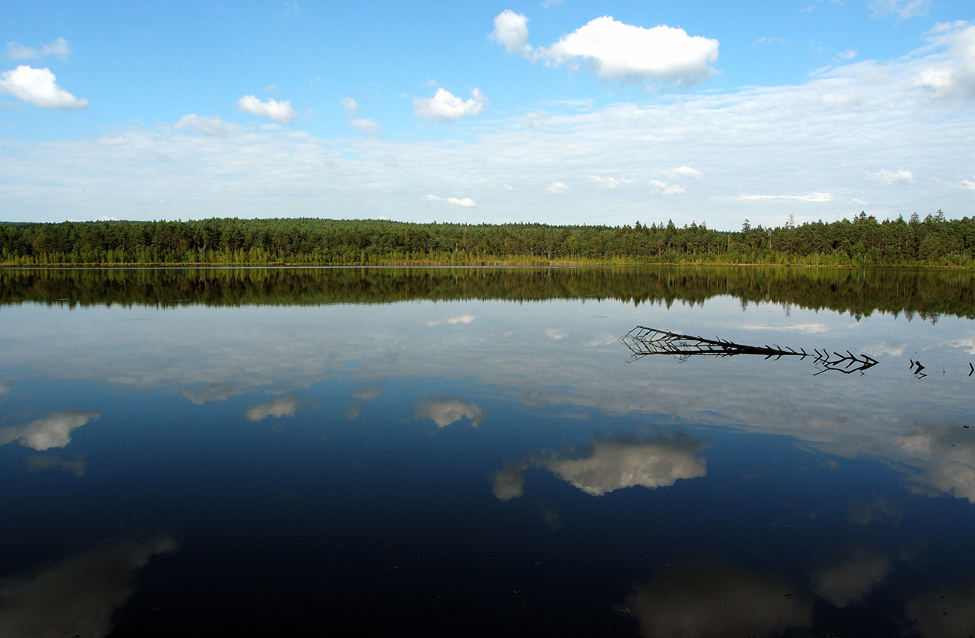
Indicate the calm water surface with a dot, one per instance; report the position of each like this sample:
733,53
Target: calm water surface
474,452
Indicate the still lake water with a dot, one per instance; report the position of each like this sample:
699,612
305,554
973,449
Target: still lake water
474,452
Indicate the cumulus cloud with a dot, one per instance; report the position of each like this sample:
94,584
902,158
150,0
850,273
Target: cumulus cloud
621,51
79,595
851,579
511,31
274,110
212,126
58,48
903,9
50,432
38,87
361,124
464,202
447,411
811,197
663,188
557,187
280,407
951,74
610,465
717,600
444,106
885,176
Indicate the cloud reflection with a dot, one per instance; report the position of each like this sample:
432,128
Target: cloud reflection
851,579
509,482
50,432
280,407
943,614
609,465
77,466
944,459
718,600
78,595
447,411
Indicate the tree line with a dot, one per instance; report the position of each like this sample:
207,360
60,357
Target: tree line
933,240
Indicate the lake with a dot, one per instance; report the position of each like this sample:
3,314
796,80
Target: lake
476,452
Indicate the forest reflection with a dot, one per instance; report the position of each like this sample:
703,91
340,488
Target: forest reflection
925,293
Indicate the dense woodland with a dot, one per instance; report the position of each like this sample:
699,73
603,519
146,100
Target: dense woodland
933,240
923,292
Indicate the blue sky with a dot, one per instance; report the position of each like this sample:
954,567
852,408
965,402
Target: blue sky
544,111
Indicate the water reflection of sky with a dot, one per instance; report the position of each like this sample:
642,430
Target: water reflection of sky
733,492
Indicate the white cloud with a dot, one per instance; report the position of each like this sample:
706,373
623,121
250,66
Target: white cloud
968,184
280,407
664,188
764,40
361,124
38,86
464,202
52,431
903,9
885,176
683,171
557,187
812,197
848,54
79,595
274,110
444,106
952,73
608,183
58,48
213,126
621,51
614,465
448,411
511,31
364,124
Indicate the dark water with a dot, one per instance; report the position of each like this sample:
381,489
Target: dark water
474,452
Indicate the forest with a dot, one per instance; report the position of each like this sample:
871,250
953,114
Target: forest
863,240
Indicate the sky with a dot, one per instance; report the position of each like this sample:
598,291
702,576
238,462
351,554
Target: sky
548,111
